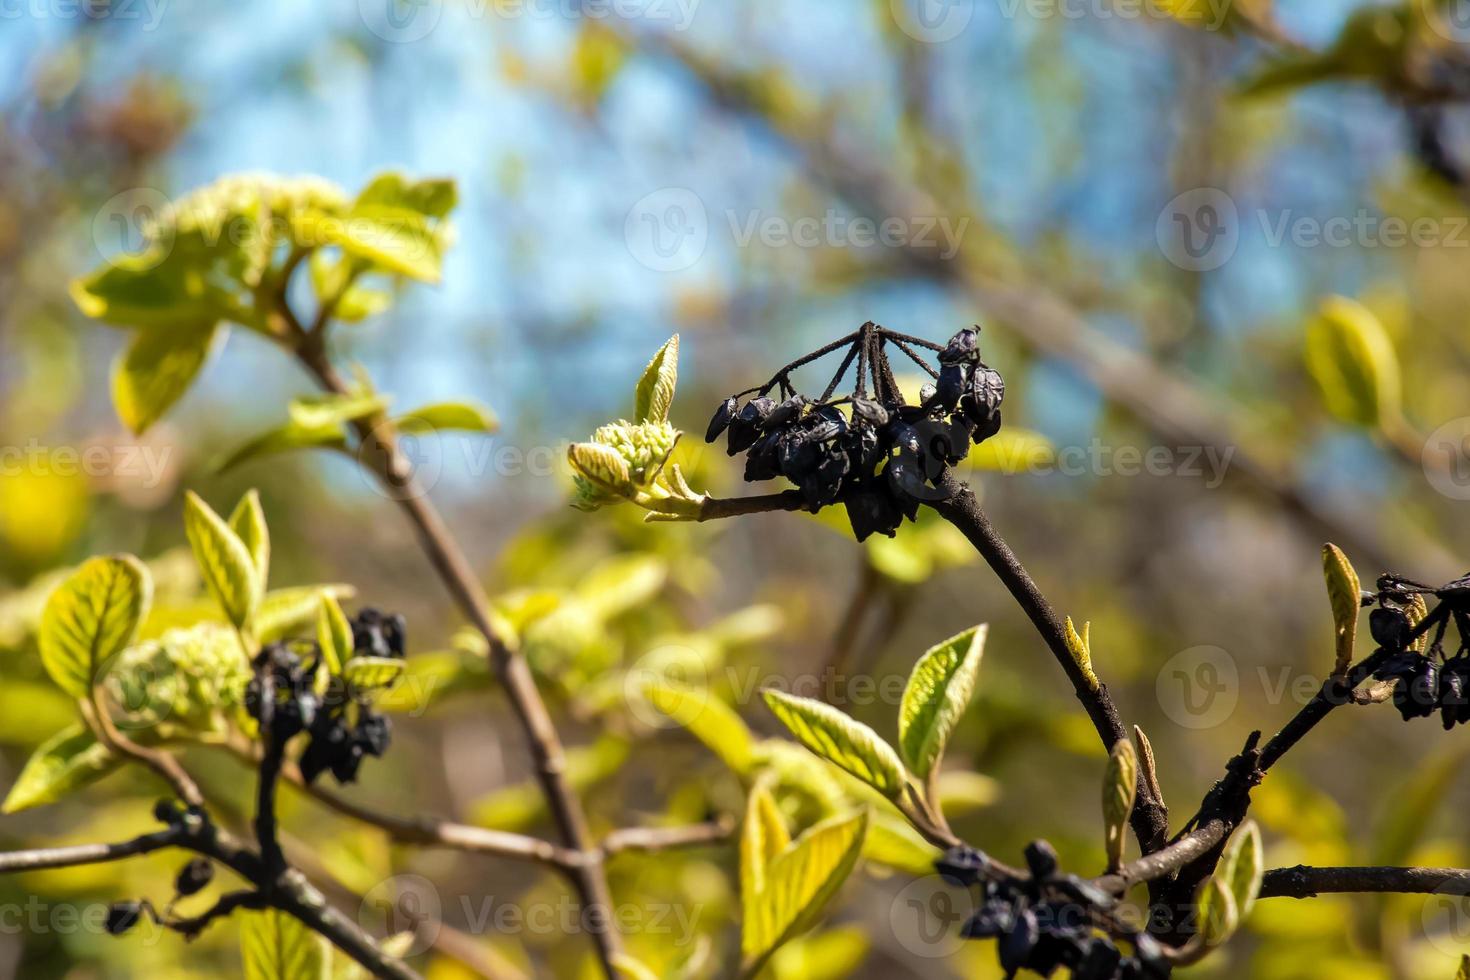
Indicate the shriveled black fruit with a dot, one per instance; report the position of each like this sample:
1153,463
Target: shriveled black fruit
194,877
1019,941
377,634
953,379
963,348
721,421
870,411
962,865
1390,627
1041,859
784,414
122,916
168,812
745,428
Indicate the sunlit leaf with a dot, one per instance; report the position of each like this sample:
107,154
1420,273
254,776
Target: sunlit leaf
395,240
447,417
431,197
798,884
1352,359
223,559
1217,915
1079,645
763,836
248,522
333,635
831,954
655,393
708,719
893,843
322,411
1344,593
290,612
65,763
150,290
91,618
372,673
277,946
1243,867
157,368
1120,785
846,743
937,694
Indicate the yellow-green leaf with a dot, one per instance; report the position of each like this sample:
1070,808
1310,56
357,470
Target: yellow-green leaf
798,884
372,673
90,618
156,370
333,411
1120,786
66,762
937,693
396,240
248,523
655,393
334,634
602,466
290,612
763,836
276,946
1080,646
1345,594
708,719
448,417
1352,359
1218,916
846,743
1243,867
632,969
225,562
893,843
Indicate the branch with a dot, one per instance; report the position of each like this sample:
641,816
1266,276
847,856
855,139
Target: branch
1150,818
381,455
714,508
44,859
1306,882
649,840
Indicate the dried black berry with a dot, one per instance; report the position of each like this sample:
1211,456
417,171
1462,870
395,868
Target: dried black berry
1041,858
376,634
723,415
194,877
122,916
963,348
1390,627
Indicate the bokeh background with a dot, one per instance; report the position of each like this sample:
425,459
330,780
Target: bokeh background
1089,181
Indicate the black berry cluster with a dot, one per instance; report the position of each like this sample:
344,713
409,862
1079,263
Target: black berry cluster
342,726
1048,921
349,731
881,457
1426,681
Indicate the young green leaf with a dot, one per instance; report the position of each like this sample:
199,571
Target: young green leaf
150,290
1344,593
1243,867
708,719
763,836
285,439
846,743
248,523
1217,915
290,612
1119,788
603,467
448,417
798,884
1080,646
90,618
334,635
432,197
1352,359
370,674
277,946
335,411
655,393
937,693
156,370
66,762
227,566
1146,763
396,240
632,969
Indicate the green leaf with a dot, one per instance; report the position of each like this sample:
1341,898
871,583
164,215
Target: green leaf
433,198
156,370
763,836
66,762
372,673
396,240
277,946
448,417
1351,358
1218,916
798,883
937,694
151,291
1243,867
603,467
248,522
632,969
334,635
91,618
290,612
655,392
1345,593
223,559
708,719
334,411
893,843
1120,786
287,438
848,744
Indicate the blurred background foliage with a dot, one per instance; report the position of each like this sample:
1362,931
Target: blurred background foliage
1060,140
